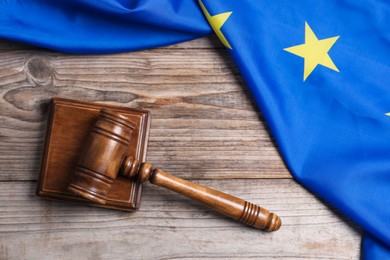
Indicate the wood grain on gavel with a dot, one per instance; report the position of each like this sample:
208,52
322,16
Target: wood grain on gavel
104,157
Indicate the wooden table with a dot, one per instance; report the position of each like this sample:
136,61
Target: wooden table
205,127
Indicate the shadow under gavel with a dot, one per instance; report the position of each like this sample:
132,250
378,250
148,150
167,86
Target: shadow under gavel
104,157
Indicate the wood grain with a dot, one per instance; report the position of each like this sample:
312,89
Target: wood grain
201,109
171,227
202,112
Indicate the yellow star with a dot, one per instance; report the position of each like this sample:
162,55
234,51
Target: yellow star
216,22
314,52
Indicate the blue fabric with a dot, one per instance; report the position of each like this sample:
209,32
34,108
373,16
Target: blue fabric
332,128
374,249
104,26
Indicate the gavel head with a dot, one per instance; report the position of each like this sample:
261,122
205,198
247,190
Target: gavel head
102,157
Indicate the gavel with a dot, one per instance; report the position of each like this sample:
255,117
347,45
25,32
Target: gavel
104,157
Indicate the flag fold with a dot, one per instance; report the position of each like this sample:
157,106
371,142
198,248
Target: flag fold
319,72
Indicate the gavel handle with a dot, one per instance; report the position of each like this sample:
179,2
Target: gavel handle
228,205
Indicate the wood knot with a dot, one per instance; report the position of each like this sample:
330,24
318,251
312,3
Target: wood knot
39,69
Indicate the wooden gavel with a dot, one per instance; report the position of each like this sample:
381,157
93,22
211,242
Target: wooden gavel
104,157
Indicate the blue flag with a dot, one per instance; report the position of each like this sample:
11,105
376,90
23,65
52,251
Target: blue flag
104,26
318,70
320,73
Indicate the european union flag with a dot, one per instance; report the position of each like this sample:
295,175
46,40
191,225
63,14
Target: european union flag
104,26
319,71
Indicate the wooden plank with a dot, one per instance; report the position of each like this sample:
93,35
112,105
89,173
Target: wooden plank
204,126
169,226
204,123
